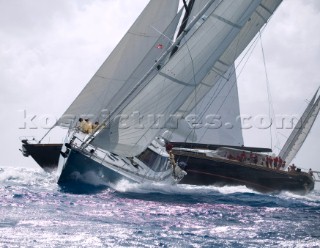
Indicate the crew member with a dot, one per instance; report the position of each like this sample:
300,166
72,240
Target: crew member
88,126
94,126
243,157
82,125
171,158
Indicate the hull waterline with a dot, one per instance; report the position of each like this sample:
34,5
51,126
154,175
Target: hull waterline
203,170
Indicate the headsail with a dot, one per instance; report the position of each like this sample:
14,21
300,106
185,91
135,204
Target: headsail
215,116
222,100
132,57
301,130
222,35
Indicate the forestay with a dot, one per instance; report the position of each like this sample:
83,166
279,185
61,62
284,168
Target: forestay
180,76
131,57
300,131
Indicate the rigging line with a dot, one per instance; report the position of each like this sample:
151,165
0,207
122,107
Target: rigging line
136,89
124,86
253,44
47,132
250,49
227,79
195,91
215,97
271,108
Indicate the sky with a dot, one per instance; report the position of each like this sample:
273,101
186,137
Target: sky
49,50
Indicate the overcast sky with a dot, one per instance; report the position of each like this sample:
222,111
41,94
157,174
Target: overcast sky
50,49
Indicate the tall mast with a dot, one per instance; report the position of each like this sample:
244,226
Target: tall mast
188,8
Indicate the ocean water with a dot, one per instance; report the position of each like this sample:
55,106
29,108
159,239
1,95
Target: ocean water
36,212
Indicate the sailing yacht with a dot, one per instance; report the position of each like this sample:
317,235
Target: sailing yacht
211,152
220,165
147,95
150,82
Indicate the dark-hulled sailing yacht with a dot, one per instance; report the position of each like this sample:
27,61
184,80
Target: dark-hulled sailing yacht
200,62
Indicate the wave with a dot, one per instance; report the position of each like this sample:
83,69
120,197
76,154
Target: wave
26,177
38,179
235,195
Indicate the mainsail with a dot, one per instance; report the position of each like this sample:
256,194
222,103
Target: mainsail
222,35
131,58
256,21
301,130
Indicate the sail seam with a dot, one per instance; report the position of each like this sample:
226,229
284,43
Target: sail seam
261,16
142,35
174,79
226,21
266,9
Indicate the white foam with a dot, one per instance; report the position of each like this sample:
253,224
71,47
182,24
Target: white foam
313,196
126,186
26,177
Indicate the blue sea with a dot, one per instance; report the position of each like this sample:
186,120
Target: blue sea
36,212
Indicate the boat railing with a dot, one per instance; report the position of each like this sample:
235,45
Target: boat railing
92,152
29,139
247,162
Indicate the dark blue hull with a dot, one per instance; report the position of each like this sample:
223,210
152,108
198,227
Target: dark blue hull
82,169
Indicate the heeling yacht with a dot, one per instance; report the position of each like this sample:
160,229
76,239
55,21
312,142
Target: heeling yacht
143,96
152,165
211,37
204,148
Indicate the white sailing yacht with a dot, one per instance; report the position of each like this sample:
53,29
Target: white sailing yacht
148,80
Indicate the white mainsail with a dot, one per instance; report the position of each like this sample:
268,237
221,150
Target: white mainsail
220,105
214,120
131,58
300,131
208,53
230,110
258,18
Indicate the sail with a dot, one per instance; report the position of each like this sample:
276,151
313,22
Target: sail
215,117
212,45
300,131
222,102
230,132
155,25
256,21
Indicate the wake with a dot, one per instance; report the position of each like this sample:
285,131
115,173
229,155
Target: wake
180,189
